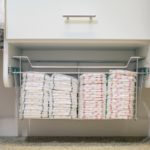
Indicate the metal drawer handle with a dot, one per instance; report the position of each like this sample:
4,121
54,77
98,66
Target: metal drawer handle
79,16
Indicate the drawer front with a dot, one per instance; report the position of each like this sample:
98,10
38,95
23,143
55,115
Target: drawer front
115,19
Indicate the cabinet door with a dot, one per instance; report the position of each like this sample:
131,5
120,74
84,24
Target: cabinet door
42,19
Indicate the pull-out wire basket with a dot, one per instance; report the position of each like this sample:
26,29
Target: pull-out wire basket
75,70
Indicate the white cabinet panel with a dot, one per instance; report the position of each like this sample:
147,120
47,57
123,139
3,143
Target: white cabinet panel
115,19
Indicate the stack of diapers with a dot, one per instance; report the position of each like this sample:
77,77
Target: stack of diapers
121,94
64,90
92,96
35,95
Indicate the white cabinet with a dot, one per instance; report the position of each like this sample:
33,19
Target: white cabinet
115,19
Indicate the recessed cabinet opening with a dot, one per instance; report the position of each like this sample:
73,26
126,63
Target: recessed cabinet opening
77,69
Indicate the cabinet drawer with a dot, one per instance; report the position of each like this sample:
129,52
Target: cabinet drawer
115,19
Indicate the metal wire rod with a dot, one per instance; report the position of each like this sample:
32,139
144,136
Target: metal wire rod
76,67
140,73
37,118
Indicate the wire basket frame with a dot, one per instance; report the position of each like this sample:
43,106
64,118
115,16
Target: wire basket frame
18,77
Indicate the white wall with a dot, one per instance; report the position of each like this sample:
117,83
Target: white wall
1,13
8,123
